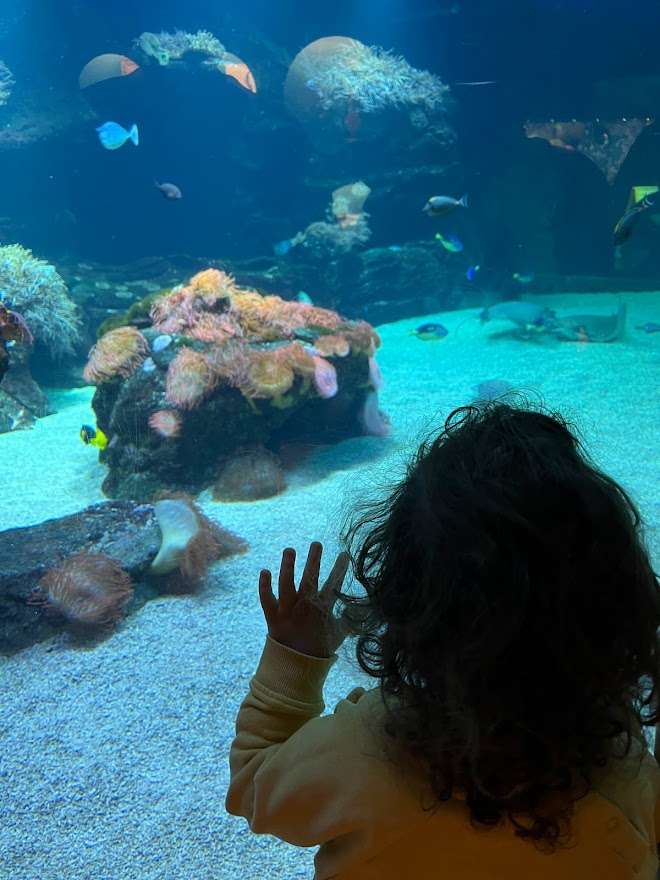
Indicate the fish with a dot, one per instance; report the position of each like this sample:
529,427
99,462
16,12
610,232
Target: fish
113,136
437,206
523,277
471,272
524,314
93,437
430,332
624,227
304,298
169,190
450,243
479,82
649,327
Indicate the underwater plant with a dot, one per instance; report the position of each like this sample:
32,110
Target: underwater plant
344,70
6,83
38,292
166,47
190,543
118,353
87,588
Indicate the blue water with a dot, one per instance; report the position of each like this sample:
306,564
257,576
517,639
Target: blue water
114,757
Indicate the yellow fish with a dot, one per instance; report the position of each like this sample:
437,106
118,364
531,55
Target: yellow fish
93,437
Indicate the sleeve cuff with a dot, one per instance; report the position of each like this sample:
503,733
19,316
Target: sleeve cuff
291,674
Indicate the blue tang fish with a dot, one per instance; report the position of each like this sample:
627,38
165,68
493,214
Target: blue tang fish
113,136
430,332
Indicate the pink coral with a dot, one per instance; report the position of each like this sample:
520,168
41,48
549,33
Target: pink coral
325,377
189,379
166,422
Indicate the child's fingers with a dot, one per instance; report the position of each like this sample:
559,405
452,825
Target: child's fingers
310,578
286,583
335,580
266,597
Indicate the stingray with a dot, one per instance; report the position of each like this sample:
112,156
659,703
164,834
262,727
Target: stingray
591,328
606,143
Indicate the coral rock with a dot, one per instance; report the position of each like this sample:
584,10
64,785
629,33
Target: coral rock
253,474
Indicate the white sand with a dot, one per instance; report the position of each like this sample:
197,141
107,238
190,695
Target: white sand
113,761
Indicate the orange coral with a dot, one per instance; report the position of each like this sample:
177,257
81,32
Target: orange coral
117,353
361,336
211,285
334,344
189,379
268,376
88,588
295,356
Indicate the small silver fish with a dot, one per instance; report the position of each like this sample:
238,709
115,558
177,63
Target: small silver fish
439,205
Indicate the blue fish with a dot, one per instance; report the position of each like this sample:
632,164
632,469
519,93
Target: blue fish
430,332
649,327
471,272
113,136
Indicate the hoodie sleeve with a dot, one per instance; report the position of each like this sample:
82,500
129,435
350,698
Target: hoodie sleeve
290,769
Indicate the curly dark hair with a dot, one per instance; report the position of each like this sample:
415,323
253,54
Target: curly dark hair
510,614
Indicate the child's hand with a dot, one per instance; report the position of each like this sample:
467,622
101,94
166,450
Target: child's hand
302,619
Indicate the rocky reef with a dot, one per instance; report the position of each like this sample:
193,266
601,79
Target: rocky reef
76,577
223,372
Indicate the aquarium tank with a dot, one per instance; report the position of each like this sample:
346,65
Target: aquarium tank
250,258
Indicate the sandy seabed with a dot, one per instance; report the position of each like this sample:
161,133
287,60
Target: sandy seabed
113,761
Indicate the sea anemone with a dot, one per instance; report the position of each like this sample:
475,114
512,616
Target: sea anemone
325,377
296,356
189,379
375,375
229,363
372,419
166,422
88,589
251,475
268,376
190,543
217,329
332,345
211,285
362,337
118,353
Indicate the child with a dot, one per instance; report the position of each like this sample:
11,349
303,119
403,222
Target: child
510,618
